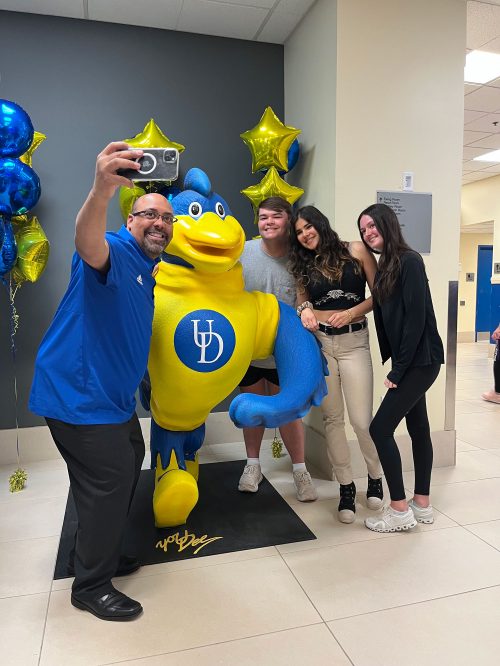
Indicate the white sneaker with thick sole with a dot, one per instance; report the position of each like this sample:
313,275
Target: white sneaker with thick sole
306,492
391,521
422,515
250,479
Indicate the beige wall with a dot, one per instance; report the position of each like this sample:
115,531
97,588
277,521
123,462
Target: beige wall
467,290
398,96
310,101
481,203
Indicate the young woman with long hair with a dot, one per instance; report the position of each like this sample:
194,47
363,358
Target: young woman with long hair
408,335
331,277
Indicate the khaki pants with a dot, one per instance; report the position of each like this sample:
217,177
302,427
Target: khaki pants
350,378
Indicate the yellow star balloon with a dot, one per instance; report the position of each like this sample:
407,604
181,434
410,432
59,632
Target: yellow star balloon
152,137
127,197
272,185
269,142
32,251
38,138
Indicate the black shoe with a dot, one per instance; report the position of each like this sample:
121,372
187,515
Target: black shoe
127,565
110,606
347,504
374,494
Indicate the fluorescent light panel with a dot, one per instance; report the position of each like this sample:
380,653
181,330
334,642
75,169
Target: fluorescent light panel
481,67
493,156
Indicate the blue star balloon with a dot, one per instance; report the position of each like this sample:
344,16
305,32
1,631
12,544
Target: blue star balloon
16,129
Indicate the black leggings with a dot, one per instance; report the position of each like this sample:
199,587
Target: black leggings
496,367
407,400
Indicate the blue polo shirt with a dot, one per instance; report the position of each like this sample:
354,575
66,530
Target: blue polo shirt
95,352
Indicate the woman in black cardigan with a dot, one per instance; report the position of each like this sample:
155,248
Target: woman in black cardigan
408,335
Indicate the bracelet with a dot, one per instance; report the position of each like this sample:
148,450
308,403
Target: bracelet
350,316
303,306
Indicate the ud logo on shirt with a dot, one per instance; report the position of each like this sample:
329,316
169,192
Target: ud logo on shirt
139,279
204,340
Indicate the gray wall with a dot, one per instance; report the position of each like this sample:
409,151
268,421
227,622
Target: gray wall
84,84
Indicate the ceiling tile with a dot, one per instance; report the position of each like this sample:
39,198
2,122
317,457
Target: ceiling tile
279,27
483,122
295,6
483,99
483,24
469,116
150,13
221,19
470,153
470,87
267,4
67,8
471,137
472,177
491,142
493,46
493,168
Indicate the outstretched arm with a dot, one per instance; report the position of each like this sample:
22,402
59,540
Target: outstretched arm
301,369
90,240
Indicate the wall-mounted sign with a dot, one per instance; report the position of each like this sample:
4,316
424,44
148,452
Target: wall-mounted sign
414,211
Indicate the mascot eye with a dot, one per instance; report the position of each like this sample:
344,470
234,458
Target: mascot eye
195,210
219,209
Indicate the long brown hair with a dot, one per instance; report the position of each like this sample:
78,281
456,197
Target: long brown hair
389,265
326,260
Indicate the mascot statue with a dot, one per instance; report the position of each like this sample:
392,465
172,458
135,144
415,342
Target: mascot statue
206,331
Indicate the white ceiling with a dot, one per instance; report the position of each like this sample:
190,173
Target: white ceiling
256,20
273,21
482,102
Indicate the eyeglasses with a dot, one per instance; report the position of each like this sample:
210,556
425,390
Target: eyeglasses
153,215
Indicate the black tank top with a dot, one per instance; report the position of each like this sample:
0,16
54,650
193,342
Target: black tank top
326,294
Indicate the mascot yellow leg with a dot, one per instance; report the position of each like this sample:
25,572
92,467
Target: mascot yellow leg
176,492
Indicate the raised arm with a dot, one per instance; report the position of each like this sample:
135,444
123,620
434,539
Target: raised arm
90,241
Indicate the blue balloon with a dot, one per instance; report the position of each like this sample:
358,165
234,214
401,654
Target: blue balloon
170,192
2,231
8,253
16,129
19,187
293,154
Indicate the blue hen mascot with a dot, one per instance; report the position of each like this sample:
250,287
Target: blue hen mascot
206,331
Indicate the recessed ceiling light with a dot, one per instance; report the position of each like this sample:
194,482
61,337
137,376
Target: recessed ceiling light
493,156
481,67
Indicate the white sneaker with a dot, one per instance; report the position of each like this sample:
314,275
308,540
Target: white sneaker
250,479
423,515
391,521
306,492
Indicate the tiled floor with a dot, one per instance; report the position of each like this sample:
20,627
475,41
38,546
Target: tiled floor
350,597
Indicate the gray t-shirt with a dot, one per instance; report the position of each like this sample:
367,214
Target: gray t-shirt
269,275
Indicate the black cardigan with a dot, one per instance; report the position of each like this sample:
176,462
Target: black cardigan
405,321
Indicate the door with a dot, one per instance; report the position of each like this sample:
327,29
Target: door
483,294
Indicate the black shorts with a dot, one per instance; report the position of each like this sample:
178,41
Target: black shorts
254,374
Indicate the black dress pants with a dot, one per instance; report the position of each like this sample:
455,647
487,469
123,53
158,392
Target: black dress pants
406,401
104,463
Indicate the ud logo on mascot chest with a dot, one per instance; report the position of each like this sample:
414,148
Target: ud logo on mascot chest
204,340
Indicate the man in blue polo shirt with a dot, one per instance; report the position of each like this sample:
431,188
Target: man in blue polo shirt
87,371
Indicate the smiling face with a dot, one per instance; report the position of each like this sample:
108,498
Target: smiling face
152,236
273,224
306,234
370,234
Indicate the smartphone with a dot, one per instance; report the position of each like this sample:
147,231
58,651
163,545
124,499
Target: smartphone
155,164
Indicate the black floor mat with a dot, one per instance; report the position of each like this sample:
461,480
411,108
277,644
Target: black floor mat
240,520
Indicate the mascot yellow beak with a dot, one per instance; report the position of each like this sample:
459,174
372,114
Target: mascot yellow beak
210,244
